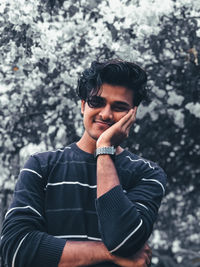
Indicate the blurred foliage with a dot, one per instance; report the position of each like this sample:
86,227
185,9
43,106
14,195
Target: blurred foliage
45,45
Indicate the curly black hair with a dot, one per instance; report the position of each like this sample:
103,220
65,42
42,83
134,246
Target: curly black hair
114,72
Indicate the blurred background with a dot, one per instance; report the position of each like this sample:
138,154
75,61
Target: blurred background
45,45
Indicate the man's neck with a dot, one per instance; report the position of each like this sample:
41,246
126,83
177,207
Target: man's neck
89,148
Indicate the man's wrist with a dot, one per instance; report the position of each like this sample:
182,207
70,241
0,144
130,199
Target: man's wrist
105,150
103,144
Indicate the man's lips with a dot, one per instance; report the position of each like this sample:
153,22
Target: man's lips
104,123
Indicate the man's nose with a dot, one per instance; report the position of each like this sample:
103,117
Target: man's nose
106,113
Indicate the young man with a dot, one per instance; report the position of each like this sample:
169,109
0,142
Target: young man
91,203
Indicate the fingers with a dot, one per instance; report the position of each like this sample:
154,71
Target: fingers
118,131
129,118
148,261
140,259
144,255
131,113
148,252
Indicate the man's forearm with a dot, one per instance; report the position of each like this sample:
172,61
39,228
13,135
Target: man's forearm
121,226
107,176
81,253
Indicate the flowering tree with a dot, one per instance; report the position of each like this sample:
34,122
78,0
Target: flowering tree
44,47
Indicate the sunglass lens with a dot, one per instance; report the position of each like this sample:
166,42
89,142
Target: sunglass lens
95,102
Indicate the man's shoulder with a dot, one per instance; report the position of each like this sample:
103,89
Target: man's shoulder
142,169
47,157
138,162
132,158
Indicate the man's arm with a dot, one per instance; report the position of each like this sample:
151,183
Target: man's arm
81,253
123,228
78,253
107,177
24,240
105,166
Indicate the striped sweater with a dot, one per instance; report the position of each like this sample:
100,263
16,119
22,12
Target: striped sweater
55,201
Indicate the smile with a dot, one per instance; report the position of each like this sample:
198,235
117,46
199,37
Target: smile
103,123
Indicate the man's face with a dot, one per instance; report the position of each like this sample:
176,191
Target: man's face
102,111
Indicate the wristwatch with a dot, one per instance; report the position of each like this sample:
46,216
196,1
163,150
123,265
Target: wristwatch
107,150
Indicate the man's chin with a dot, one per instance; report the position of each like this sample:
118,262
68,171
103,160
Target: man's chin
96,136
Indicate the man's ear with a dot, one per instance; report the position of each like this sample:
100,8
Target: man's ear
82,106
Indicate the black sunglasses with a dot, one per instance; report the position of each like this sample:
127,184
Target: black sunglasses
96,101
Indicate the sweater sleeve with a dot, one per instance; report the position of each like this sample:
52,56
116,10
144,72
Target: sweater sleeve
126,218
25,241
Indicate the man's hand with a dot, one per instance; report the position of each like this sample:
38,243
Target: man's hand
119,131
141,259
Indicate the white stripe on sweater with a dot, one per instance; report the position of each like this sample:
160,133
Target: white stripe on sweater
122,243
15,254
142,205
29,170
61,183
156,181
79,236
146,162
25,207
53,151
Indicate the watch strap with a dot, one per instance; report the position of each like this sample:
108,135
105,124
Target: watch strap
108,150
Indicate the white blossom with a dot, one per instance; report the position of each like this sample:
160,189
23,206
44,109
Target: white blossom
175,99
194,108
